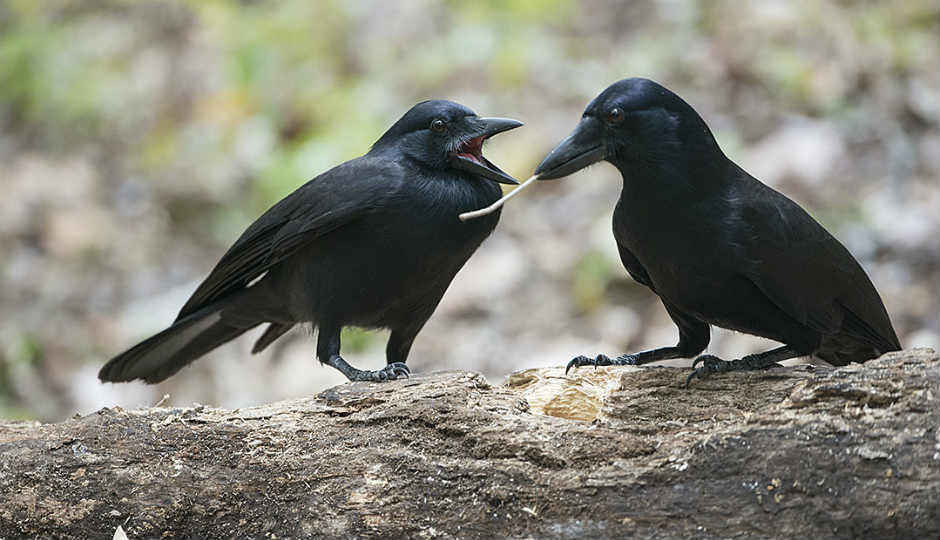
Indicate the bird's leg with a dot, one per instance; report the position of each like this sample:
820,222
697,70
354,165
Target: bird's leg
713,364
636,359
397,349
388,373
693,338
328,353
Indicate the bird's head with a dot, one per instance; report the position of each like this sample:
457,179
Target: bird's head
633,121
446,135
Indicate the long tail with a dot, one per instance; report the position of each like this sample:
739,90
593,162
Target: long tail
162,355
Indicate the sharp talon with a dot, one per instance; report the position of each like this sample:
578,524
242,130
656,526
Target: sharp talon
710,364
390,372
577,361
400,371
702,373
600,360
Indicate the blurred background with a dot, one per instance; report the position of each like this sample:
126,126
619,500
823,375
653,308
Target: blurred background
138,140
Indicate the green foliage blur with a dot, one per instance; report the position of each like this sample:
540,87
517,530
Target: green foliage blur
302,72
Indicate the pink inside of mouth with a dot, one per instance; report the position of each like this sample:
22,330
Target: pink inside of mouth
472,150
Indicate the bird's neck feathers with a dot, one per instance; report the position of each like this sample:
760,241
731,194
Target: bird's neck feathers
688,164
448,190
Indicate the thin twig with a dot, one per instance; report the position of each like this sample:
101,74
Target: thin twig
493,207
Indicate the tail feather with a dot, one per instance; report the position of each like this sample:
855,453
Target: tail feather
879,334
274,331
162,355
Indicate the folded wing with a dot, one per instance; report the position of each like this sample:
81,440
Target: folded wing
324,204
809,274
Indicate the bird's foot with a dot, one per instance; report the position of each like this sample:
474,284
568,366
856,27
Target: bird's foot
713,364
391,372
602,360
710,364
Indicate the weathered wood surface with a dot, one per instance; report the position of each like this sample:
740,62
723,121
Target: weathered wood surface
793,452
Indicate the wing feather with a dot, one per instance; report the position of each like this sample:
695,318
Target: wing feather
322,205
809,274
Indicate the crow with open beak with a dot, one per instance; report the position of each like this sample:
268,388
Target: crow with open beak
372,243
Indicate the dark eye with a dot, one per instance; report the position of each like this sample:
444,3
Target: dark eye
615,116
438,125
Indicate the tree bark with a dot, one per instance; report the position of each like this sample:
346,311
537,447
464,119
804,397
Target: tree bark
613,452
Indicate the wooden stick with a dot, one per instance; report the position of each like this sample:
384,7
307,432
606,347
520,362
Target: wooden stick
493,207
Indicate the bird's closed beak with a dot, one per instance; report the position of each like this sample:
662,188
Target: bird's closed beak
469,155
583,147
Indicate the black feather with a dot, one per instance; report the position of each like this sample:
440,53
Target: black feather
373,242
718,246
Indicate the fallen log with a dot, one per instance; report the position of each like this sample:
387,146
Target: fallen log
792,452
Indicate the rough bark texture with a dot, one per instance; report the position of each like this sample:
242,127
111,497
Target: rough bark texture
791,452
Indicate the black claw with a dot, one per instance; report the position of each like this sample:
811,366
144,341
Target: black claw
710,364
713,364
599,360
688,380
577,361
398,369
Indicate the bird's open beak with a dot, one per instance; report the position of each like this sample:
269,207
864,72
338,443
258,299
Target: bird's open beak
469,155
583,147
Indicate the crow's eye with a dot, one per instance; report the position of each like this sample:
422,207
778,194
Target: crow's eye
615,116
438,125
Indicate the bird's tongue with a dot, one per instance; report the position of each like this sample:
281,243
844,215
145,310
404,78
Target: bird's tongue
473,150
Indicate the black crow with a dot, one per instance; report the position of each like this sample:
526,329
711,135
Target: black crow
715,244
372,243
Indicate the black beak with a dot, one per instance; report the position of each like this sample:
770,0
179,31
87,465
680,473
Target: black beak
583,147
469,157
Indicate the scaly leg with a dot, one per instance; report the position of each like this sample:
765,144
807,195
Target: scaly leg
713,364
328,344
693,338
636,359
397,349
